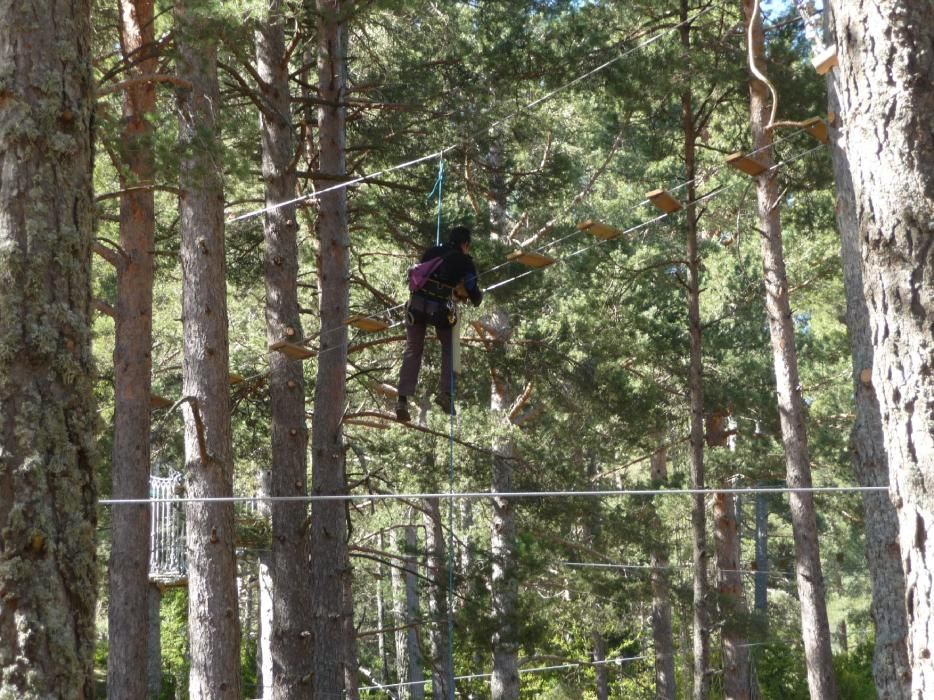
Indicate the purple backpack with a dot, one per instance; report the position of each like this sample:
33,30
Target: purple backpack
419,274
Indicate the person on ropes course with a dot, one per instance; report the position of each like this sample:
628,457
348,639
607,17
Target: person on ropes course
432,303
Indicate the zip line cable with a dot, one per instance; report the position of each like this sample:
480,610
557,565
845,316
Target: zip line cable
619,661
440,153
479,495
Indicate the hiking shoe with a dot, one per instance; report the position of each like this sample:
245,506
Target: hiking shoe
402,410
445,403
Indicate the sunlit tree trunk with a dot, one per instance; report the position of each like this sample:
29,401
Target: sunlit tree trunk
128,608
290,639
662,637
736,680
48,498
334,662
811,592
883,85
213,618
890,667
700,555
442,674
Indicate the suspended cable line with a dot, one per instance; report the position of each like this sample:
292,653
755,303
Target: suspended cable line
480,495
440,153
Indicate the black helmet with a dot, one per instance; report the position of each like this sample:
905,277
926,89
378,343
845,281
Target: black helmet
458,235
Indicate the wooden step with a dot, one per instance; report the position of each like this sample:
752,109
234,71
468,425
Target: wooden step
530,259
365,323
293,351
825,60
157,402
602,231
744,163
817,128
663,201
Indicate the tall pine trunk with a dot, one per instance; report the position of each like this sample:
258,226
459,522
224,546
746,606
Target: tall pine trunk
334,663
736,678
47,425
700,555
442,673
883,85
213,619
504,582
128,608
290,639
662,636
811,592
891,670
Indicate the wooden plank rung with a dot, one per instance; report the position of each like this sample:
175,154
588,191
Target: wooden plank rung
663,201
156,402
293,351
365,323
744,163
817,128
530,259
825,60
595,228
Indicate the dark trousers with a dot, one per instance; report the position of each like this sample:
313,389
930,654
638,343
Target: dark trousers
412,357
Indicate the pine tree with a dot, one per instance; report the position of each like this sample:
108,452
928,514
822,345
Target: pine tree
47,446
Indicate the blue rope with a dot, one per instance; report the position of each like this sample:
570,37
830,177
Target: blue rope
439,184
439,188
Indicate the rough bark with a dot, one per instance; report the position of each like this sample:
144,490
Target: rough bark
442,674
736,677
762,556
890,667
154,637
504,582
602,685
700,555
47,426
333,652
662,637
213,619
290,639
811,591
397,575
884,86
128,608
412,617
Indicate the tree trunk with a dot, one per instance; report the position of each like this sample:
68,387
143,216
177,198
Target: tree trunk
700,556
442,674
265,672
762,556
736,680
331,574
128,607
290,638
814,624
504,582
413,616
381,623
662,637
600,670
883,148
154,643
890,667
47,426
400,621
405,607
213,619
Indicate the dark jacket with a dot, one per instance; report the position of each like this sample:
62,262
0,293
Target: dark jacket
457,267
